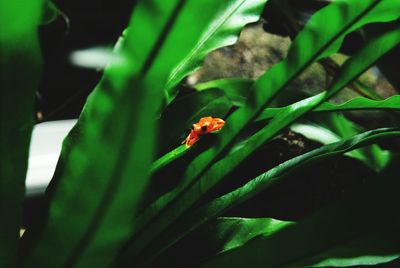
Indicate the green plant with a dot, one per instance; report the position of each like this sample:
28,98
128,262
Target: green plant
125,194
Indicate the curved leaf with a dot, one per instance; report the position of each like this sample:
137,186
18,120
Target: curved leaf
107,157
217,236
355,230
360,103
200,176
220,26
341,128
20,70
191,221
112,167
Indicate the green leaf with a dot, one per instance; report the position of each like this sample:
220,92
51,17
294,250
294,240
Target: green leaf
168,158
201,175
218,24
104,171
361,228
115,143
340,127
20,70
196,218
359,103
217,236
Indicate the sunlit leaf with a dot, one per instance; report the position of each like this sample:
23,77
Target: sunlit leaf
196,218
201,175
220,26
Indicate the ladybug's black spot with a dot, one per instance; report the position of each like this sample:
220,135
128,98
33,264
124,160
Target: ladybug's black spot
204,128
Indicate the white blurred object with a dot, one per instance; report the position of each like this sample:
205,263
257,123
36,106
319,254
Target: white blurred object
44,151
95,57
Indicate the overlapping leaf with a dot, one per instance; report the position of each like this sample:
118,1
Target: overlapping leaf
313,132
106,158
217,236
357,230
324,41
191,221
219,23
106,168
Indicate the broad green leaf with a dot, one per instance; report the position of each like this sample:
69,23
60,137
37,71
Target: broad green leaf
218,24
196,218
200,176
361,228
110,159
20,70
105,169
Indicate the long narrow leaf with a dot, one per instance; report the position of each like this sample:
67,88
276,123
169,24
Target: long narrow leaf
354,231
284,72
360,103
216,237
312,132
106,168
211,176
193,220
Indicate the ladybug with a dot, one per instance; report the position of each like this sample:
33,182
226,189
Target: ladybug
204,126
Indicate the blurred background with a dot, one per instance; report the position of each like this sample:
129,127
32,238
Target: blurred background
82,24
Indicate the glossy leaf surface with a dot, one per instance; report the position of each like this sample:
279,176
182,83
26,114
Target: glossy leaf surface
360,103
108,155
193,220
218,24
264,89
110,159
355,231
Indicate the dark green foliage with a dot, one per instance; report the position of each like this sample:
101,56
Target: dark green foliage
20,69
126,193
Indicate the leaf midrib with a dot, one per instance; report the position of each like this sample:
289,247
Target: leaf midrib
141,230
200,44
